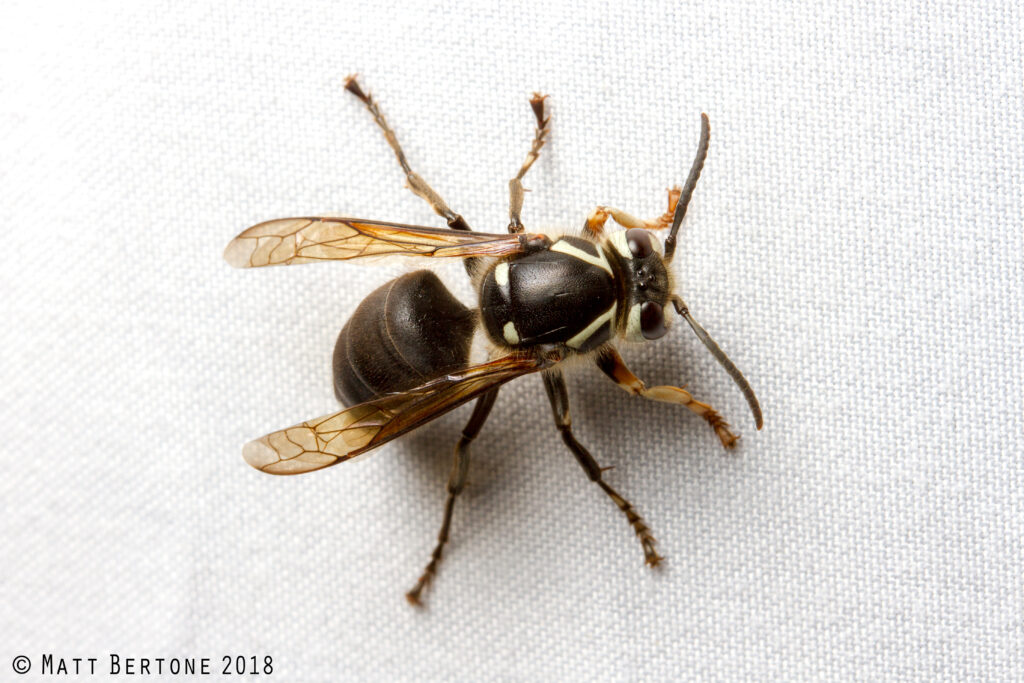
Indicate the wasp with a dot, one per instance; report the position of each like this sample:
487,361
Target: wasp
411,352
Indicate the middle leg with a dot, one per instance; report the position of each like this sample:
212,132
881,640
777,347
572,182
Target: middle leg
558,394
515,186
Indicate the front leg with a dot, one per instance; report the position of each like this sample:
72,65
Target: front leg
611,364
595,222
554,383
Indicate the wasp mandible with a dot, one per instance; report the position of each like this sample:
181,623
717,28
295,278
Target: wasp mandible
407,354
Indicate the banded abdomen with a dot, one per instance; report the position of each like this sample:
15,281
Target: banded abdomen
405,333
566,294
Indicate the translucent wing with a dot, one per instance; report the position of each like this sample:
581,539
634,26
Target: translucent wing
304,240
341,436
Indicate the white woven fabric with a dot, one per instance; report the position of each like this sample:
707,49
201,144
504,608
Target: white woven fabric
854,244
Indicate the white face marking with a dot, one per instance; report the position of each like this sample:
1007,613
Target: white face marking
510,334
618,240
598,322
501,274
601,261
633,331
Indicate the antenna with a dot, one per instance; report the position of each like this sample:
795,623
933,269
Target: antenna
691,182
723,359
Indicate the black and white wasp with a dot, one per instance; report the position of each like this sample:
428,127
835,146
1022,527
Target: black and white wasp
404,358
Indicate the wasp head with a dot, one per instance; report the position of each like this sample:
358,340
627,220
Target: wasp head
646,283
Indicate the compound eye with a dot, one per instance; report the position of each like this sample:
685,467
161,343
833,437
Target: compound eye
639,243
652,321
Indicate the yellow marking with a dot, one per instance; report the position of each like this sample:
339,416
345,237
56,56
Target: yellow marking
601,261
578,341
501,274
509,331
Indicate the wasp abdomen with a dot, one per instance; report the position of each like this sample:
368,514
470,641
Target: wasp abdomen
407,332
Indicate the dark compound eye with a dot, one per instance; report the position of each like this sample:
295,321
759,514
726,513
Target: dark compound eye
652,321
639,242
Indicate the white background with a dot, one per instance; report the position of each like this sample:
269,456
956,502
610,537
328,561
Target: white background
855,245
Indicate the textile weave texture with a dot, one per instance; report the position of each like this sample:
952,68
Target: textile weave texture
854,244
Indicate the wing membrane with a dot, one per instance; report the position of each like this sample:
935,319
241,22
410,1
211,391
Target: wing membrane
334,438
286,241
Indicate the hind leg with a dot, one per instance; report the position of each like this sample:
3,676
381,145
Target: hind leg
417,184
456,482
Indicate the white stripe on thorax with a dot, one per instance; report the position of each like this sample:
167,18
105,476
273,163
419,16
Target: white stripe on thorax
501,274
510,333
618,240
601,261
578,341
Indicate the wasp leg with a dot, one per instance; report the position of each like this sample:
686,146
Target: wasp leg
596,220
515,186
611,364
456,482
554,383
417,184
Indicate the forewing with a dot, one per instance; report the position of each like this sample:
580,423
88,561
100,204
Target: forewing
334,438
286,241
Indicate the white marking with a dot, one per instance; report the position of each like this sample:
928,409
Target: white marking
482,349
601,261
501,274
598,322
618,240
509,331
633,331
